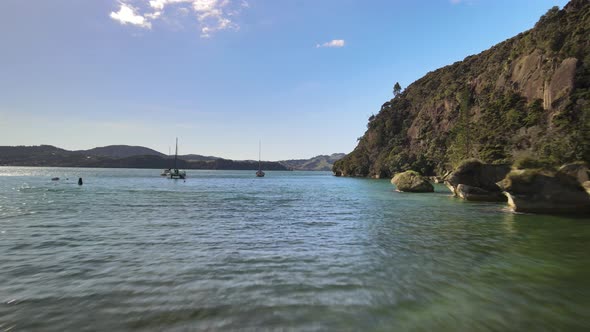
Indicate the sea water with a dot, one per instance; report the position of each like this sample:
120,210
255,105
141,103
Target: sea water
224,250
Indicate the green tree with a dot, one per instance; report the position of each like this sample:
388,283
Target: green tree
397,89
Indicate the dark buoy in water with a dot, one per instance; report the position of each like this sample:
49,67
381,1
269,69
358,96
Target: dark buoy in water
80,181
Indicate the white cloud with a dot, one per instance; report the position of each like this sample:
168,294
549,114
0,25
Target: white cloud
336,43
127,15
211,15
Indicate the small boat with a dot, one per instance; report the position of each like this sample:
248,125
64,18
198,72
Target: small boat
259,173
166,172
175,173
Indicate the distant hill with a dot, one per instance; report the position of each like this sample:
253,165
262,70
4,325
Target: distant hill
45,155
318,163
121,151
197,157
51,156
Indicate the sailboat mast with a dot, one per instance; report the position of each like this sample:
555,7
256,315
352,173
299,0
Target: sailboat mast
259,148
176,153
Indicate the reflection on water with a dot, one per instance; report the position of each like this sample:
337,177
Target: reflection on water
130,250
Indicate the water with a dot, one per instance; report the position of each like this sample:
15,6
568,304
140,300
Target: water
224,250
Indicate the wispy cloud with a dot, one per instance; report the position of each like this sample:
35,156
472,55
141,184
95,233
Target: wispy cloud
211,15
336,43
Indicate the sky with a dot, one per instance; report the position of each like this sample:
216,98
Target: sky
301,76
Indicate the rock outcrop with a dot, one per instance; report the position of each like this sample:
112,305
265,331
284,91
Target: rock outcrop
473,180
545,191
470,193
411,181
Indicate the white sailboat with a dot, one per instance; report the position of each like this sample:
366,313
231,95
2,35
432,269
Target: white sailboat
175,173
259,173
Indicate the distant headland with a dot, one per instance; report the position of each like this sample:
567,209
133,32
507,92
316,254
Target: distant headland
126,156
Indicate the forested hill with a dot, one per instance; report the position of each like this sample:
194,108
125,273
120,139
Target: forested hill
121,151
317,163
528,96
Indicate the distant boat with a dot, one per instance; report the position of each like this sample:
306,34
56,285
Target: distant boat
259,173
175,173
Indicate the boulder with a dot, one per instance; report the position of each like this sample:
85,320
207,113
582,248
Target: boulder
470,193
545,191
411,181
475,174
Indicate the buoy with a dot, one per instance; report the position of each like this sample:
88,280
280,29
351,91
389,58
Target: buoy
80,181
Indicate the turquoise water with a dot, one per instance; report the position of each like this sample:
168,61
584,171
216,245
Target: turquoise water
224,250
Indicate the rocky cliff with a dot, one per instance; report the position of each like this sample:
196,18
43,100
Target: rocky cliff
527,96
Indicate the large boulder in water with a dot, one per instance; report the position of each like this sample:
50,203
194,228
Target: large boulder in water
545,191
475,174
411,181
470,193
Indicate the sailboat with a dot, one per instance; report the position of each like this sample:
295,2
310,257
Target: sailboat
166,171
174,172
259,173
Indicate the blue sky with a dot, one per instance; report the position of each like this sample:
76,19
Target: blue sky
302,76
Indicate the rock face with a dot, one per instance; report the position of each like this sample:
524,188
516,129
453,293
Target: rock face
411,181
478,181
578,171
539,191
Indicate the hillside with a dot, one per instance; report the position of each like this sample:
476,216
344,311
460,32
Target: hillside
121,151
51,156
45,155
197,157
318,163
527,96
